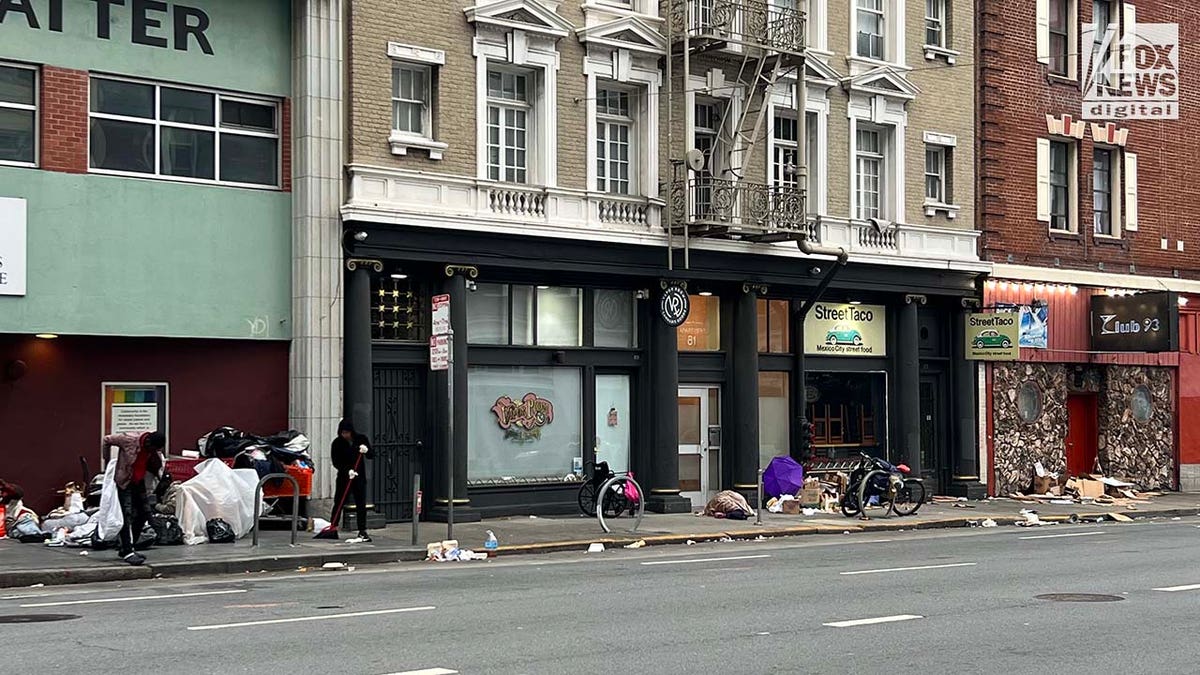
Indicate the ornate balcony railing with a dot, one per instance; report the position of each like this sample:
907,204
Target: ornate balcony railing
747,22
727,207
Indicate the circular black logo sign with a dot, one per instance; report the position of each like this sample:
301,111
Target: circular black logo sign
675,306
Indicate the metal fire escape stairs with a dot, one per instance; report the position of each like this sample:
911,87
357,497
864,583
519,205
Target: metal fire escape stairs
715,199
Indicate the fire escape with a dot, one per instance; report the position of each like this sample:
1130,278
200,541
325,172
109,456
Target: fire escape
713,191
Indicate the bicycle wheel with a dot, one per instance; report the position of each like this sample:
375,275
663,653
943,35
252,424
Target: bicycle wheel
587,499
615,503
909,497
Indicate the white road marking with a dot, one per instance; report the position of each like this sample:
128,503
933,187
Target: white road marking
908,569
1176,589
1060,536
703,560
428,671
868,622
100,601
300,619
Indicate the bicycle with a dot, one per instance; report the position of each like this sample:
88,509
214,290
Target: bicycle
615,500
874,477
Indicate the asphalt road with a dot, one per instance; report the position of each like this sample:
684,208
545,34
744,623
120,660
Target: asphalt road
819,605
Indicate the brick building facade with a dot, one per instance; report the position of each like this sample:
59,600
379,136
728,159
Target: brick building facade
1071,209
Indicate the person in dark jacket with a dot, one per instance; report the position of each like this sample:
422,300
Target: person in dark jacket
350,450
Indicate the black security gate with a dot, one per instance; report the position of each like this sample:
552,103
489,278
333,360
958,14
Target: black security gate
399,427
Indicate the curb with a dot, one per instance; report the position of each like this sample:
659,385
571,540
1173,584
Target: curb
250,564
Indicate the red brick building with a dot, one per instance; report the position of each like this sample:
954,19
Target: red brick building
1080,200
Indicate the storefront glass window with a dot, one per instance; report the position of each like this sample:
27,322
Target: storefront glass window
702,330
773,417
524,423
848,412
522,315
487,314
613,421
773,327
559,317
615,319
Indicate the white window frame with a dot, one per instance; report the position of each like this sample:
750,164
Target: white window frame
817,26
888,114
780,147
538,56
939,23
1044,55
218,130
946,145
781,101
608,121
428,61
37,116
503,106
1117,159
895,36
938,172
880,11
608,67
879,158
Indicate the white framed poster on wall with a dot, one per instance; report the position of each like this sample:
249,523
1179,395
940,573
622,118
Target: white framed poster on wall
12,246
134,408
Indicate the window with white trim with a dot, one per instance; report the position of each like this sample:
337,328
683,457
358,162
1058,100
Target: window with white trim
1062,188
18,115
935,23
785,161
147,129
1057,36
615,138
411,95
936,161
509,116
705,133
870,23
870,163
1104,176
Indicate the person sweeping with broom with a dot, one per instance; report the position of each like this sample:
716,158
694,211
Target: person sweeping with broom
348,451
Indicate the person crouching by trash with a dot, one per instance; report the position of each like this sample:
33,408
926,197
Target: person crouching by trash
349,451
137,456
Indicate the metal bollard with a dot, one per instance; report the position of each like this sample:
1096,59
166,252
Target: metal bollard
759,506
416,515
295,502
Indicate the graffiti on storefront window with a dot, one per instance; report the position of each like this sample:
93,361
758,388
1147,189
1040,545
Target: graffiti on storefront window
522,420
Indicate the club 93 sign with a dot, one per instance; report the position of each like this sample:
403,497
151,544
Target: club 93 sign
1146,322
674,306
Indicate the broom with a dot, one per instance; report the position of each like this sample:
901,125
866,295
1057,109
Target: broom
331,532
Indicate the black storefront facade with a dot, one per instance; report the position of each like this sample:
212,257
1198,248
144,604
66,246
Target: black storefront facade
562,356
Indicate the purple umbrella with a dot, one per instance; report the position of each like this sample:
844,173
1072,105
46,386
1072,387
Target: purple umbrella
784,476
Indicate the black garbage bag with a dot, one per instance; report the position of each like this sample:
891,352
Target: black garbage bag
168,530
220,532
148,538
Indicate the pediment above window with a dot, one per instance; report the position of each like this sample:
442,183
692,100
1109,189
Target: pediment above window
626,33
530,16
817,71
882,81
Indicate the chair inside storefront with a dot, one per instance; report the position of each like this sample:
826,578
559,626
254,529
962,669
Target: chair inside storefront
843,416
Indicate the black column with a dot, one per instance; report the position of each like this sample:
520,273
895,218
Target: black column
908,388
664,424
799,449
744,427
456,287
358,394
965,460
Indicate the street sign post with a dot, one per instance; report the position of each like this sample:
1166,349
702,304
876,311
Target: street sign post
441,357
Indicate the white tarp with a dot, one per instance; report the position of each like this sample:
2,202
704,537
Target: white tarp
217,491
109,518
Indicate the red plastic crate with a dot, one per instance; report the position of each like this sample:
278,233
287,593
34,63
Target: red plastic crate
183,469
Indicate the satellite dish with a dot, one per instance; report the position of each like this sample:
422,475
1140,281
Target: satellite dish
694,159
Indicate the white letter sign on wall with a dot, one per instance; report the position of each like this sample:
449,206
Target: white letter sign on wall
12,246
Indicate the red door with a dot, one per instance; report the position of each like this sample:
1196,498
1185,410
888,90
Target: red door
1081,434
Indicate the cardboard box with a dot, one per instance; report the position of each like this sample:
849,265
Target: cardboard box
1089,489
791,507
810,497
1042,484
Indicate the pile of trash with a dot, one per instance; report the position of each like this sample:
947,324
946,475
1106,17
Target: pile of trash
1055,488
791,492
449,551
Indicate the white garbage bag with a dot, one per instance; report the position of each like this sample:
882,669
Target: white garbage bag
109,519
299,444
217,491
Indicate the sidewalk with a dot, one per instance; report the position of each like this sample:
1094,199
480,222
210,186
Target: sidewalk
29,564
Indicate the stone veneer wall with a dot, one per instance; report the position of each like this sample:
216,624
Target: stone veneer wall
1142,452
